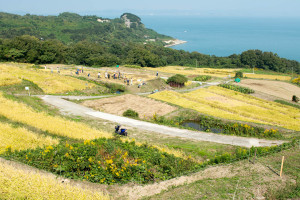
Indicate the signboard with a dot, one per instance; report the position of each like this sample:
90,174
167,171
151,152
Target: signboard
26,88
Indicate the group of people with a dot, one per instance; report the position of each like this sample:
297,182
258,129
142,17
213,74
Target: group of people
116,75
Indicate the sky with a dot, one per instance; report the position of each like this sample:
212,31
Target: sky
114,8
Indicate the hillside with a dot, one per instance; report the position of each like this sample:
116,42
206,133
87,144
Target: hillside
71,27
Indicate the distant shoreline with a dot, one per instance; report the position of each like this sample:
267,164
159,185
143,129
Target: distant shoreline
174,42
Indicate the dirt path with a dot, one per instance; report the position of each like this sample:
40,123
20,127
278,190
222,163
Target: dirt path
79,110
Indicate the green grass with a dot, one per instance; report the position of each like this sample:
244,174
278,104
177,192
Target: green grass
20,88
267,72
295,105
243,181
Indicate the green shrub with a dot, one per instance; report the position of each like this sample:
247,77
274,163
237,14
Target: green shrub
178,78
114,87
237,88
131,113
202,78
106,161
133,66
295,98
239,74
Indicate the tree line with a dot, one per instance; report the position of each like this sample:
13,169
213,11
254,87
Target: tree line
29,49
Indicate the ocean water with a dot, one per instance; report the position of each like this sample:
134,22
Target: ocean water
227,36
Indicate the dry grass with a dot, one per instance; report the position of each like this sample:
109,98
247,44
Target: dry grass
19,183
275,88
21,138
47,81
118,105
228,104
57,125
195,71
266,76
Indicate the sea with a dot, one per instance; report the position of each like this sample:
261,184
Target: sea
227,36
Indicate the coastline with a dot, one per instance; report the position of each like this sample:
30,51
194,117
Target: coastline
174,42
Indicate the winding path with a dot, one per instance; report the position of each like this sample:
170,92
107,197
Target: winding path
79,110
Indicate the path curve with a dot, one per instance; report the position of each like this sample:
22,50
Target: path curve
79,110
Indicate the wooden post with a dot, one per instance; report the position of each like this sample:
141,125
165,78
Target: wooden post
254,156
281,166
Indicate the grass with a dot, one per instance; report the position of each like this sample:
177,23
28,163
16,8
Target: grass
50,83
227,104
287,103
19,183
245,181
19,88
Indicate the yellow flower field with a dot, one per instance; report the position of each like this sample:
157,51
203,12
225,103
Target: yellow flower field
195,71
49,82
266,76
21,138
228,104
18,183
57,125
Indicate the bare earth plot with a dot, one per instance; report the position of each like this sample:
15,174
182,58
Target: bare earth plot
118,105
274,88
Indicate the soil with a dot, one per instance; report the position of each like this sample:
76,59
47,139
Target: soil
145,107
271,90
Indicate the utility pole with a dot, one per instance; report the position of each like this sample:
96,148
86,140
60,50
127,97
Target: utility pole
196,63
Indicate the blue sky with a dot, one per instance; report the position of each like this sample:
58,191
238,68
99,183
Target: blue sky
114,8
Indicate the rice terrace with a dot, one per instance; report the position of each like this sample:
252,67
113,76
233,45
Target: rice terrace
99,108
54,142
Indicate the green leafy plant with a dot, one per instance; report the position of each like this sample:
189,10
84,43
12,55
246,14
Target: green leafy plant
106,161
237,88
177,80
202,78
239,74
295,98
131,113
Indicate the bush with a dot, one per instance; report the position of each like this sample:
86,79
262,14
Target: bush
106,161
177,80
114,87
239,74
295,98
202,78
131,113
241,89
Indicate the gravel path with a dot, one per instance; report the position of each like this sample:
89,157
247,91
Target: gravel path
79,110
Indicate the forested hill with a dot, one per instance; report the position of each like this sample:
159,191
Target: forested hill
90,40
71,27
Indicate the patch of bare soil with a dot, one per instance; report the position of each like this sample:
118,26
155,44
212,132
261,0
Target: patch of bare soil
118,105
271,90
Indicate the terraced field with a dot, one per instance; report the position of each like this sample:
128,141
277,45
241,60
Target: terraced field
195,71
24,114
227,104
50,83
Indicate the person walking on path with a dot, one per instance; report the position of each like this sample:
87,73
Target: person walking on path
99,75
105,75
156,73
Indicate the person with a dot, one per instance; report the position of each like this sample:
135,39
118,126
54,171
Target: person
131,81
51,70
108,76
99,74
117,128
156,73
88,74
127,81
105,74
58,70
